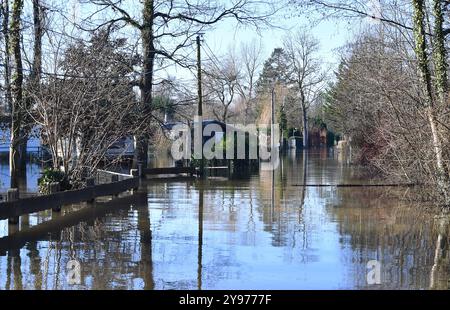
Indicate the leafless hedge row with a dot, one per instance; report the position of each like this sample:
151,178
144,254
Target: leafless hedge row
377,101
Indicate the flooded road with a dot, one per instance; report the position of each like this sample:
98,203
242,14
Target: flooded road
265,231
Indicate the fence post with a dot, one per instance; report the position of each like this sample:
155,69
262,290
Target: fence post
90,182
13,195
114,179
25,221
140,170
135,174
55,188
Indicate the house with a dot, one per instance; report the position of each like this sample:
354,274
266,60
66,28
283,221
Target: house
173,135
318,137
219,136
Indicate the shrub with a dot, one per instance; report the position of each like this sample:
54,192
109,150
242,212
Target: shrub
53,176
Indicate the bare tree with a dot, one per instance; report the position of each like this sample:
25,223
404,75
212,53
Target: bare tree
7,69
166,28
305,72
14,29
422,27
87,105
250,63
430,106
221,86
16,91
34,79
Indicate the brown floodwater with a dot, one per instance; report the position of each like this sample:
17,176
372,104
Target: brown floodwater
261,231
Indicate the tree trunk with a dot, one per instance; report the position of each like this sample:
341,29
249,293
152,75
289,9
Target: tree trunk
34,81
145,263
442,172
426,81
305,129
439,52
441,82
439,271
23,148
305,122
7,71
17,93
225,116
142,138
37,49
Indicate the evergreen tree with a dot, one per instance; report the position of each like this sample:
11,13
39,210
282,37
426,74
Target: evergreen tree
275,69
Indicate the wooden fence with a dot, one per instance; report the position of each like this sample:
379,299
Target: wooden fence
191,172
14,209
105,177
170,171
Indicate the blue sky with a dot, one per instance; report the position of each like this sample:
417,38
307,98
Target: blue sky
332,35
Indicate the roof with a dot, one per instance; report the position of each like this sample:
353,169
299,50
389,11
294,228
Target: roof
170,126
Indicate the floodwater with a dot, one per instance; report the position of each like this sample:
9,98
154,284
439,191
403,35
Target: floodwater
27,184
265,231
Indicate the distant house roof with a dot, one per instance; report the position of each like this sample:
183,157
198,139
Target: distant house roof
223,126
170,126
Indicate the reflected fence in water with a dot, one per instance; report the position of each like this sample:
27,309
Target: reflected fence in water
53,227
16,207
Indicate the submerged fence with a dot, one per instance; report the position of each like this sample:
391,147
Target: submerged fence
15,207
170,171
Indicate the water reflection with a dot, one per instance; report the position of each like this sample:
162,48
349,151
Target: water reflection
440,278
200,236
27,182
264,232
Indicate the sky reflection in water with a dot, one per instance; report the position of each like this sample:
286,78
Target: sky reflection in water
240,234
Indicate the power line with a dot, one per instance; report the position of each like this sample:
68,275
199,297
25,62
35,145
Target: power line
213,57
212,53
63,75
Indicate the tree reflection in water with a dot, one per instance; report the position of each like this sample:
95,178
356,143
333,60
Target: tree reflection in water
263,231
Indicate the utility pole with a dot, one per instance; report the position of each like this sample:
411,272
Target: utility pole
272,125
272,151
200,100
199,77
202,165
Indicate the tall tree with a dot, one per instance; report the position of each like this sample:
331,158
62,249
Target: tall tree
427,89
7,69
440,52
38,32
34,78
274,71
16,91
221,88
305,72
250,59
275,77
